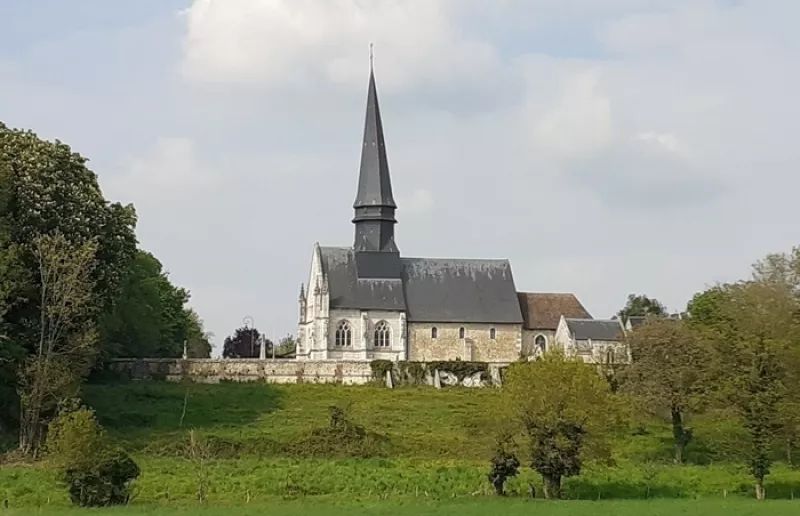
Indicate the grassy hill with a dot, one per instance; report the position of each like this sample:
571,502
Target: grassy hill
434,445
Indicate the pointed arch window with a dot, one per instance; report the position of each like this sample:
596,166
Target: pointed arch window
540,342
383,335
344,335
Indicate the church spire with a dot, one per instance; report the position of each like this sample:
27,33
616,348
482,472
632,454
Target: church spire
374,206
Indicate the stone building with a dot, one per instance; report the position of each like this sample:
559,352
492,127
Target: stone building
593,340
541,313
366,301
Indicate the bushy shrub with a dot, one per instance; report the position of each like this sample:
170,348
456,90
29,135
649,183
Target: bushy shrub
95,473
340,438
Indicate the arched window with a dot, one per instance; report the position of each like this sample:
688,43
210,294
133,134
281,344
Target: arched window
462,333
383,335
344,335
434,332
492,333
541,342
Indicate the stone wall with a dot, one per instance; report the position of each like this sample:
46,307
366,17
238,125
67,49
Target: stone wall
476,346
243,370
277,371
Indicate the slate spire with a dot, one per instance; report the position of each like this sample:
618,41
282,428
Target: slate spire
374,206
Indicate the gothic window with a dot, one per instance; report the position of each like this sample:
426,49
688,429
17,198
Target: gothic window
541,342
434,332
462,332
492,333
344,335
383,335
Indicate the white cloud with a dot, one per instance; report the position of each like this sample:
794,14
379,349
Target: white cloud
280,42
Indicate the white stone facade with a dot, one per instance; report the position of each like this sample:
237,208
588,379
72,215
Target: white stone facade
589,350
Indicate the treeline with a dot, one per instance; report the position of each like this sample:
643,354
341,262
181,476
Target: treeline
736,352
75,289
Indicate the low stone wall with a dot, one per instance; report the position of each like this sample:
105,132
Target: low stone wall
205,370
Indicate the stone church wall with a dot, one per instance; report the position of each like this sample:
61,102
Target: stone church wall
476,346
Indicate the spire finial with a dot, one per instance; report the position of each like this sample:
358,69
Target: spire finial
370,56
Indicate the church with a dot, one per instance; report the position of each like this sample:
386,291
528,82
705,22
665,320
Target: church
366,301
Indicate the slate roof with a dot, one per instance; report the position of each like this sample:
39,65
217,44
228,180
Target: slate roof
595,329
543,310
347,291
430,289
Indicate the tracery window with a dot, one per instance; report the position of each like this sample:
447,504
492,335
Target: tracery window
344,335
383,335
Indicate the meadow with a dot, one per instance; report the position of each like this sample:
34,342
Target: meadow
435,456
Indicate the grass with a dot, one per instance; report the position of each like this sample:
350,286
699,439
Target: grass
440,441
480,507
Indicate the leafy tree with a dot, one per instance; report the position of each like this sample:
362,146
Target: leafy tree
505,464
564,411
641,305
53,191
67,339
198,340
752,357
150,318
244,343
668,373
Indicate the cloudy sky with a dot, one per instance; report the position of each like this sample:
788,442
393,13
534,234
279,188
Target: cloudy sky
603,146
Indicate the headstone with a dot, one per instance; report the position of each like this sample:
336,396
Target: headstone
437,381
389,382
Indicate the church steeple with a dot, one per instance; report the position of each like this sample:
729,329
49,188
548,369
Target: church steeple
374,206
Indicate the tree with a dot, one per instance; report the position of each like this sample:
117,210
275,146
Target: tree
66,333
150,318
641,305
244,343
198,340
668,373
564,411
752,358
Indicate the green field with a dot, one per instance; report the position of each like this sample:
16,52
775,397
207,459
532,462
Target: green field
481,507
437,443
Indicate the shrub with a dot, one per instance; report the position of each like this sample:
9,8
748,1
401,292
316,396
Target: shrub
340,438
95,473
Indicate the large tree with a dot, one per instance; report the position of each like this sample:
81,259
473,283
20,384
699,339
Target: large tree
564,411
150,318
641,305
668,374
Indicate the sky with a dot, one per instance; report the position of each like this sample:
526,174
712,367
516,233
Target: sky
604,147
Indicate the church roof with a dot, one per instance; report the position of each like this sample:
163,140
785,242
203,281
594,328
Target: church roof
595,329
429,290
543,310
